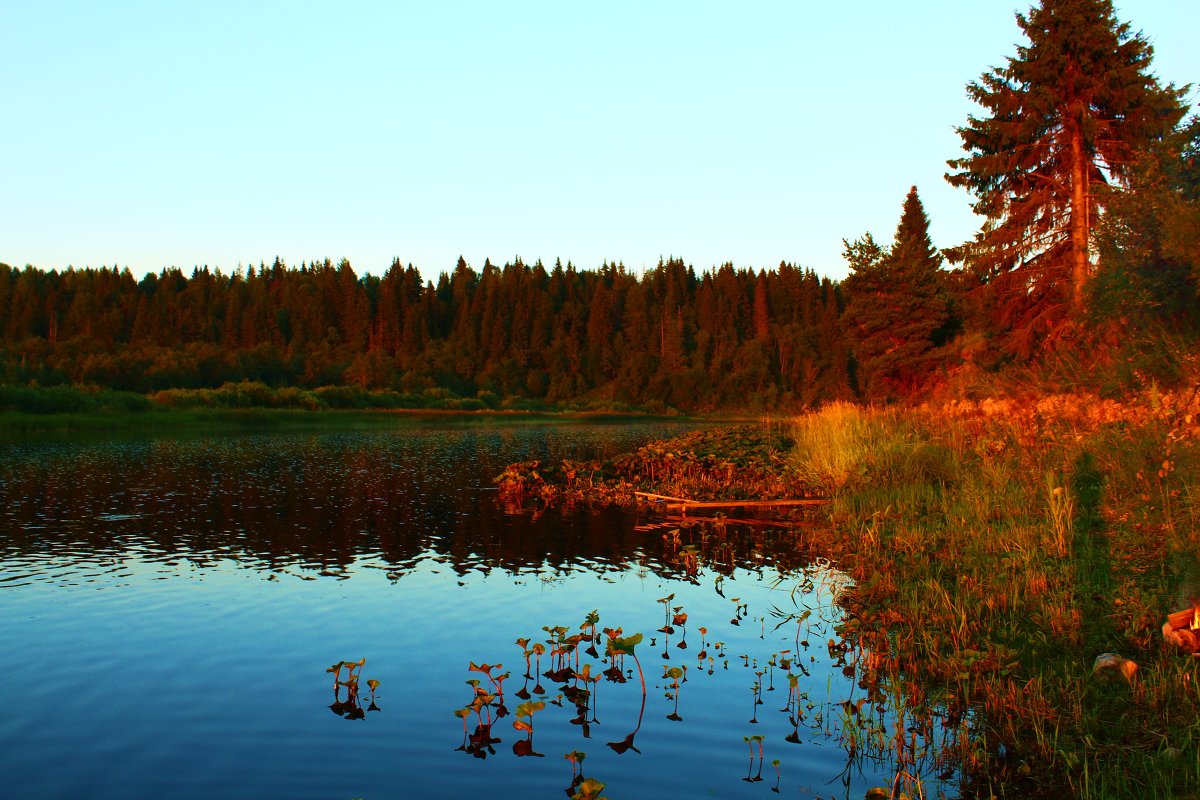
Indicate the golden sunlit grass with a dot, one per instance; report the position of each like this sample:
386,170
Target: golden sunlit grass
999,546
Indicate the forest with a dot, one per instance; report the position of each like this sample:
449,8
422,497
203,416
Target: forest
668,338
1085,271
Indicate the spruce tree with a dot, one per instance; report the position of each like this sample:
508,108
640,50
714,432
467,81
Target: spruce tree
897,311
1065,117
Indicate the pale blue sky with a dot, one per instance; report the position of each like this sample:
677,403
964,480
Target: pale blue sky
159,133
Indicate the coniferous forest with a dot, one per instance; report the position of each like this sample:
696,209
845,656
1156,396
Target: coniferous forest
1083,166
669,338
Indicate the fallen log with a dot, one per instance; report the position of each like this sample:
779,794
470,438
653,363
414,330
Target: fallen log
683,503
653,496
686,504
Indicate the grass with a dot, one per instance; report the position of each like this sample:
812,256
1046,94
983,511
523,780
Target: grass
998,548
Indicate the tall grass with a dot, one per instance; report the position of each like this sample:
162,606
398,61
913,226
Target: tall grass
1000,546
844,448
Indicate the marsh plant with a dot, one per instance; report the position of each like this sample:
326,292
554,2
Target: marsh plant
351,707
868,726
524,723
751,775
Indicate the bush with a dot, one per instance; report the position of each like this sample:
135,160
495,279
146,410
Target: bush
69,399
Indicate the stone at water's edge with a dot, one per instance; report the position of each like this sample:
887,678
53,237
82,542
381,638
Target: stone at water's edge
1108,665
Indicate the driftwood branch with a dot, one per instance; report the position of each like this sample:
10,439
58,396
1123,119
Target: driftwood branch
682,504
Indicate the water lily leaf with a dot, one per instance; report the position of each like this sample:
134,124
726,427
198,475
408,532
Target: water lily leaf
625,645
589,789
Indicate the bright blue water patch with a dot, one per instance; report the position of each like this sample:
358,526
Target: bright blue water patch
170,608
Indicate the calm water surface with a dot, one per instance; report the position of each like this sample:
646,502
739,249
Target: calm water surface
168,608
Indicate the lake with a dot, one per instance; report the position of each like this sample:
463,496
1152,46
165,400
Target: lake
171,606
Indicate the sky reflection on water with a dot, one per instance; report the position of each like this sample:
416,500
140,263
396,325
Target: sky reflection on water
174,605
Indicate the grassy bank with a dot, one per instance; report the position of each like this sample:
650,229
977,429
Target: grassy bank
997,549
31,409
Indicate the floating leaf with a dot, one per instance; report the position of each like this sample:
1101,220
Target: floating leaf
625,645
589,789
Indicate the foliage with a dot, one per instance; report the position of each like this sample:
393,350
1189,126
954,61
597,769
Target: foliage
351,708
1070,113
517,336
1148,282
898,308
65,399
729,462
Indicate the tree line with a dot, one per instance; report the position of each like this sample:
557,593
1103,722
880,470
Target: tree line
1082,165
667,338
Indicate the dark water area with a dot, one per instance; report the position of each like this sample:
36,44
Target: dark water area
169,606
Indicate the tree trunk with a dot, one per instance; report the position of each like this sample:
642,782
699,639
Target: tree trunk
1080,222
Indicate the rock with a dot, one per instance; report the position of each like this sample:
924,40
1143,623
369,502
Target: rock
1109,665
877,793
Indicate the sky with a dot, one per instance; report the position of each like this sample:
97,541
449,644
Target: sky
155,134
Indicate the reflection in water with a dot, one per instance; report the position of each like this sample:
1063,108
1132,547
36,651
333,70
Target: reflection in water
198,551
351,708
308,501
888,731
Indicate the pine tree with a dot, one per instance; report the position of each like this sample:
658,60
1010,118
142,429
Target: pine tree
1065,117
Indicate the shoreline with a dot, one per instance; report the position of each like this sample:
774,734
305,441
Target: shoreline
23,423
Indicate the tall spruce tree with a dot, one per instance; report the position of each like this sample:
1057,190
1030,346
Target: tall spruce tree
896,308
1065,117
